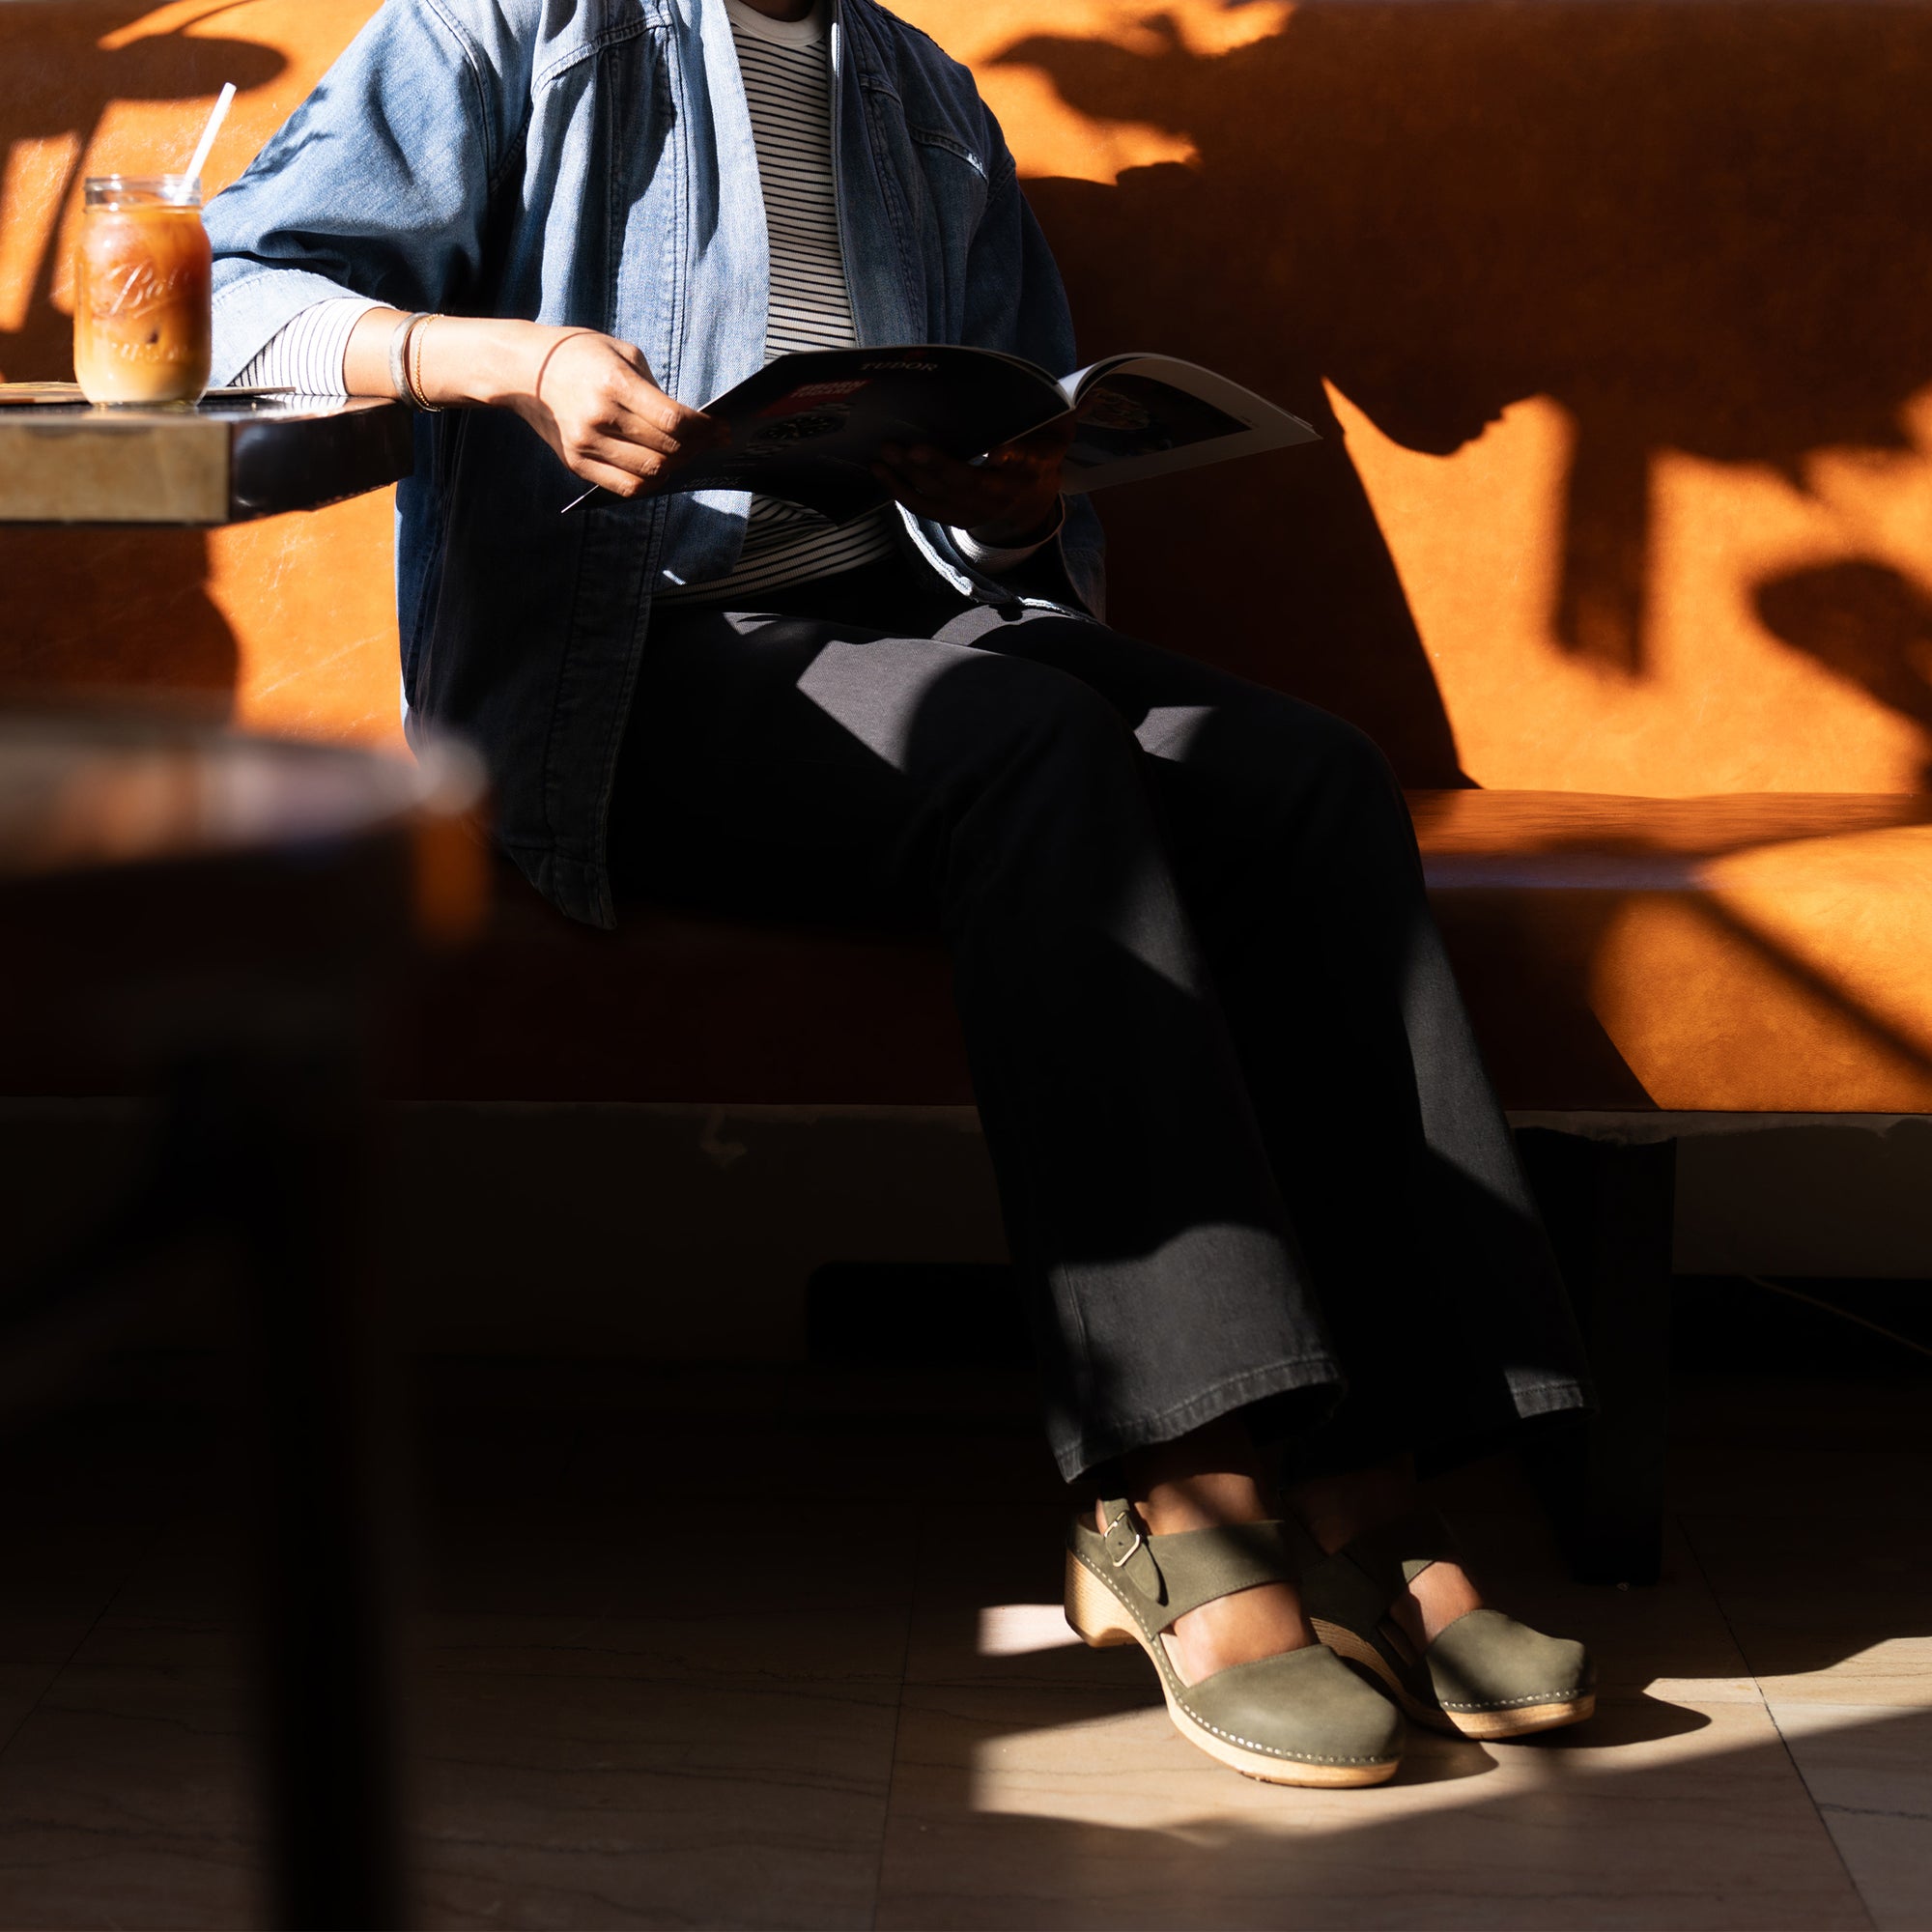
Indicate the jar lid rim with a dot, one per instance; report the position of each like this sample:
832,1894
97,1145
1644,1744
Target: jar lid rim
159,184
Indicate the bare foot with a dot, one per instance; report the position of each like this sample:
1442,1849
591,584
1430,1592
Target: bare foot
1171,1497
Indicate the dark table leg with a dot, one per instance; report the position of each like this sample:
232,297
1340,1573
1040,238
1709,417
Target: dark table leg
1611,1212
326,1492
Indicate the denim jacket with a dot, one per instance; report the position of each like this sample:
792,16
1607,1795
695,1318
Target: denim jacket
590,162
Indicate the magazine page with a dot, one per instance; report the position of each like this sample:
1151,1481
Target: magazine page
807,427
1147,415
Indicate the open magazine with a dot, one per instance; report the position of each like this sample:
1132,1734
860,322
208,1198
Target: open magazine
808,426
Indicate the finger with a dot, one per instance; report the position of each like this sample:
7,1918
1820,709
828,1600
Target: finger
632,392
940,506
1024,472
639,433
693,433
974,491
640,399
647,462
907,490
608,476
1050,440
924,461
1014,473
948,478
637,362
904,474
685,431
619,437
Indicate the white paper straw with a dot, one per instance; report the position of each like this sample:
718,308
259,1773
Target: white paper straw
208,133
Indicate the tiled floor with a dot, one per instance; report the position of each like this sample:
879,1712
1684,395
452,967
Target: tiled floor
761,1651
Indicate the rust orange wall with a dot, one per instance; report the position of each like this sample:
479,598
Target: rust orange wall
1613,314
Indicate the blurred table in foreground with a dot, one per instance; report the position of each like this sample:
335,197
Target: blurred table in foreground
218,922
231,459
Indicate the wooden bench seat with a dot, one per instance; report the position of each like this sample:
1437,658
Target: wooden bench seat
1735,953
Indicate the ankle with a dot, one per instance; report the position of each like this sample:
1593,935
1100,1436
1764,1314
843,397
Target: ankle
1335,1509
1435,1598
1200,1481
1202,1501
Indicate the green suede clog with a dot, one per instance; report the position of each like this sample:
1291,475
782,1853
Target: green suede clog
1302,1718
1486,1675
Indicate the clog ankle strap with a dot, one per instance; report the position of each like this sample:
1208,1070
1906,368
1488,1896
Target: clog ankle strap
1179,1573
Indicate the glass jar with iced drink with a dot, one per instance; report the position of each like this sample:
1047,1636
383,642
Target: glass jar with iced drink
141,315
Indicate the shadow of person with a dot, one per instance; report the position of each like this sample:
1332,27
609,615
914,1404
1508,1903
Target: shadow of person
127,611
1695,227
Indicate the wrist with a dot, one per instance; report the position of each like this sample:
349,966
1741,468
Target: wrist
477,360
1022,533
998,553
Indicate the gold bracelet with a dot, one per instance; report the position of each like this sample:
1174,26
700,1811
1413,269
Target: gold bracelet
413,365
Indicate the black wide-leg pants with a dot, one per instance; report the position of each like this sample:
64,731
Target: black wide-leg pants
1247,1153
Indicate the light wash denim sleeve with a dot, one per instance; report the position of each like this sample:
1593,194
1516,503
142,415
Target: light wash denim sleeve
378,185
1017,302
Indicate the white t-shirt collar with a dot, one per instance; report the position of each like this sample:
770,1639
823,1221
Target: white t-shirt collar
805,33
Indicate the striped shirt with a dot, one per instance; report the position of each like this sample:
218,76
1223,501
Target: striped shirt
788,72
308,354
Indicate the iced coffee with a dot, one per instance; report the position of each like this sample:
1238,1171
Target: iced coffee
141,292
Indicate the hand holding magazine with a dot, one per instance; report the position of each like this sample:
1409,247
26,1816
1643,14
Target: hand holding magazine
807,427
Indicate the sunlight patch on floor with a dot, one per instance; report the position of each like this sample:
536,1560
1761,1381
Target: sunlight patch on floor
1019,1629
1108,1765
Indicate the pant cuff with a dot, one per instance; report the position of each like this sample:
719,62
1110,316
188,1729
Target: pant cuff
1081,1449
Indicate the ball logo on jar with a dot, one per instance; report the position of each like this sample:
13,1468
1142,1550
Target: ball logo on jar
132,288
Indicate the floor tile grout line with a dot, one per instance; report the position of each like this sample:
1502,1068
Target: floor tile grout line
1783,1743
898,1719
80,1642
1683,1524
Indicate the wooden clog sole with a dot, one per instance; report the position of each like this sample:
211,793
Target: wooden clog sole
1518,1722
1100,1620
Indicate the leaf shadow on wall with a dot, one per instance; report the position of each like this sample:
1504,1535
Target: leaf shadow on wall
123,609
1865,623
1699,227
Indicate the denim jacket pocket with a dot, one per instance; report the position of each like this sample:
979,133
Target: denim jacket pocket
937,193
938,137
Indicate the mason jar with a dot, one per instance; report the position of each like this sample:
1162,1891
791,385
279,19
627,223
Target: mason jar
141,299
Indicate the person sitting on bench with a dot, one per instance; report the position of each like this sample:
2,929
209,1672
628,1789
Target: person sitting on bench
1274,1234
